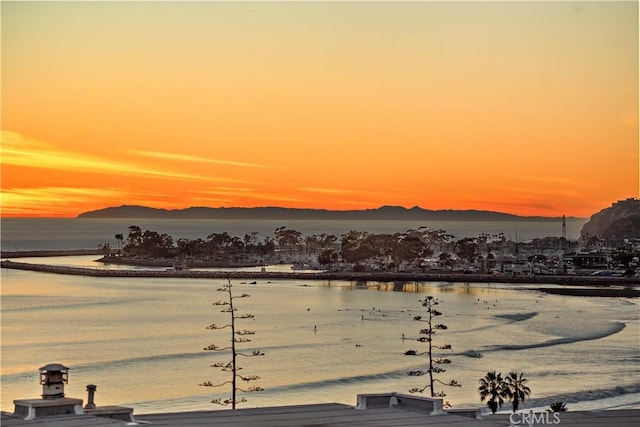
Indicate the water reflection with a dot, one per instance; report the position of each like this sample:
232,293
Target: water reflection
412,287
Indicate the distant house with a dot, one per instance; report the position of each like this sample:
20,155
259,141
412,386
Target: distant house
590,260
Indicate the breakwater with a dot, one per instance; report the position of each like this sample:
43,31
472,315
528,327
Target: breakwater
321,275
49,253
171,263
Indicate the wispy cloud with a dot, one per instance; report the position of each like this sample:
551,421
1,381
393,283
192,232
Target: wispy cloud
38,200
70,201
558,180
505,206
223,191
50,193
273,197
20,150
326,190
189,158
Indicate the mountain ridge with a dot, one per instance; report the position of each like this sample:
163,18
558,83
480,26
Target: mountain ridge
386,212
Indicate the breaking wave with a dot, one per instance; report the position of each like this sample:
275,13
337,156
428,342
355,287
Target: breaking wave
591,396
614,329
518,317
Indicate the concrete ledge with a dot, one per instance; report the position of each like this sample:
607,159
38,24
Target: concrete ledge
121,413
370,401
430,405
30,409
465,412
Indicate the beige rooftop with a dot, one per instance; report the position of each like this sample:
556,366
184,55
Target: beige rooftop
326,415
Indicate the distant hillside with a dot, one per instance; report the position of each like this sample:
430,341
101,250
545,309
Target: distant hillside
382,213
620,221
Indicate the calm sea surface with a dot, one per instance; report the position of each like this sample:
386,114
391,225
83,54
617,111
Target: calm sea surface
141,340
67,233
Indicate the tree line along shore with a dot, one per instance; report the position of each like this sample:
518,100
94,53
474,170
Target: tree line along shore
590,286
422,250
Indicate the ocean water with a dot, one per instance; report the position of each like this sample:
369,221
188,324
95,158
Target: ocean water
82,233
141,340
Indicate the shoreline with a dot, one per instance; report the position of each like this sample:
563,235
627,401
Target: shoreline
589,285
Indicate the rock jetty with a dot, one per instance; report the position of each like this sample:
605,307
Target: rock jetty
321,275
49,253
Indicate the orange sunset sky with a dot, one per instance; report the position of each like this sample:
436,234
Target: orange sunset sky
522,107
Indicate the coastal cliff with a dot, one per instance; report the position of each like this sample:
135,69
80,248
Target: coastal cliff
619,221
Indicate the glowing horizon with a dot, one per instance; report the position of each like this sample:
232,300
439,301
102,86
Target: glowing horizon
524,108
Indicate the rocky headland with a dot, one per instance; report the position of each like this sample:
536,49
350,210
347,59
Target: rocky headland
619,221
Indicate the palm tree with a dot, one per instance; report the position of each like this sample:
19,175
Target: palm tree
105,248
558,407
516,387
492,388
